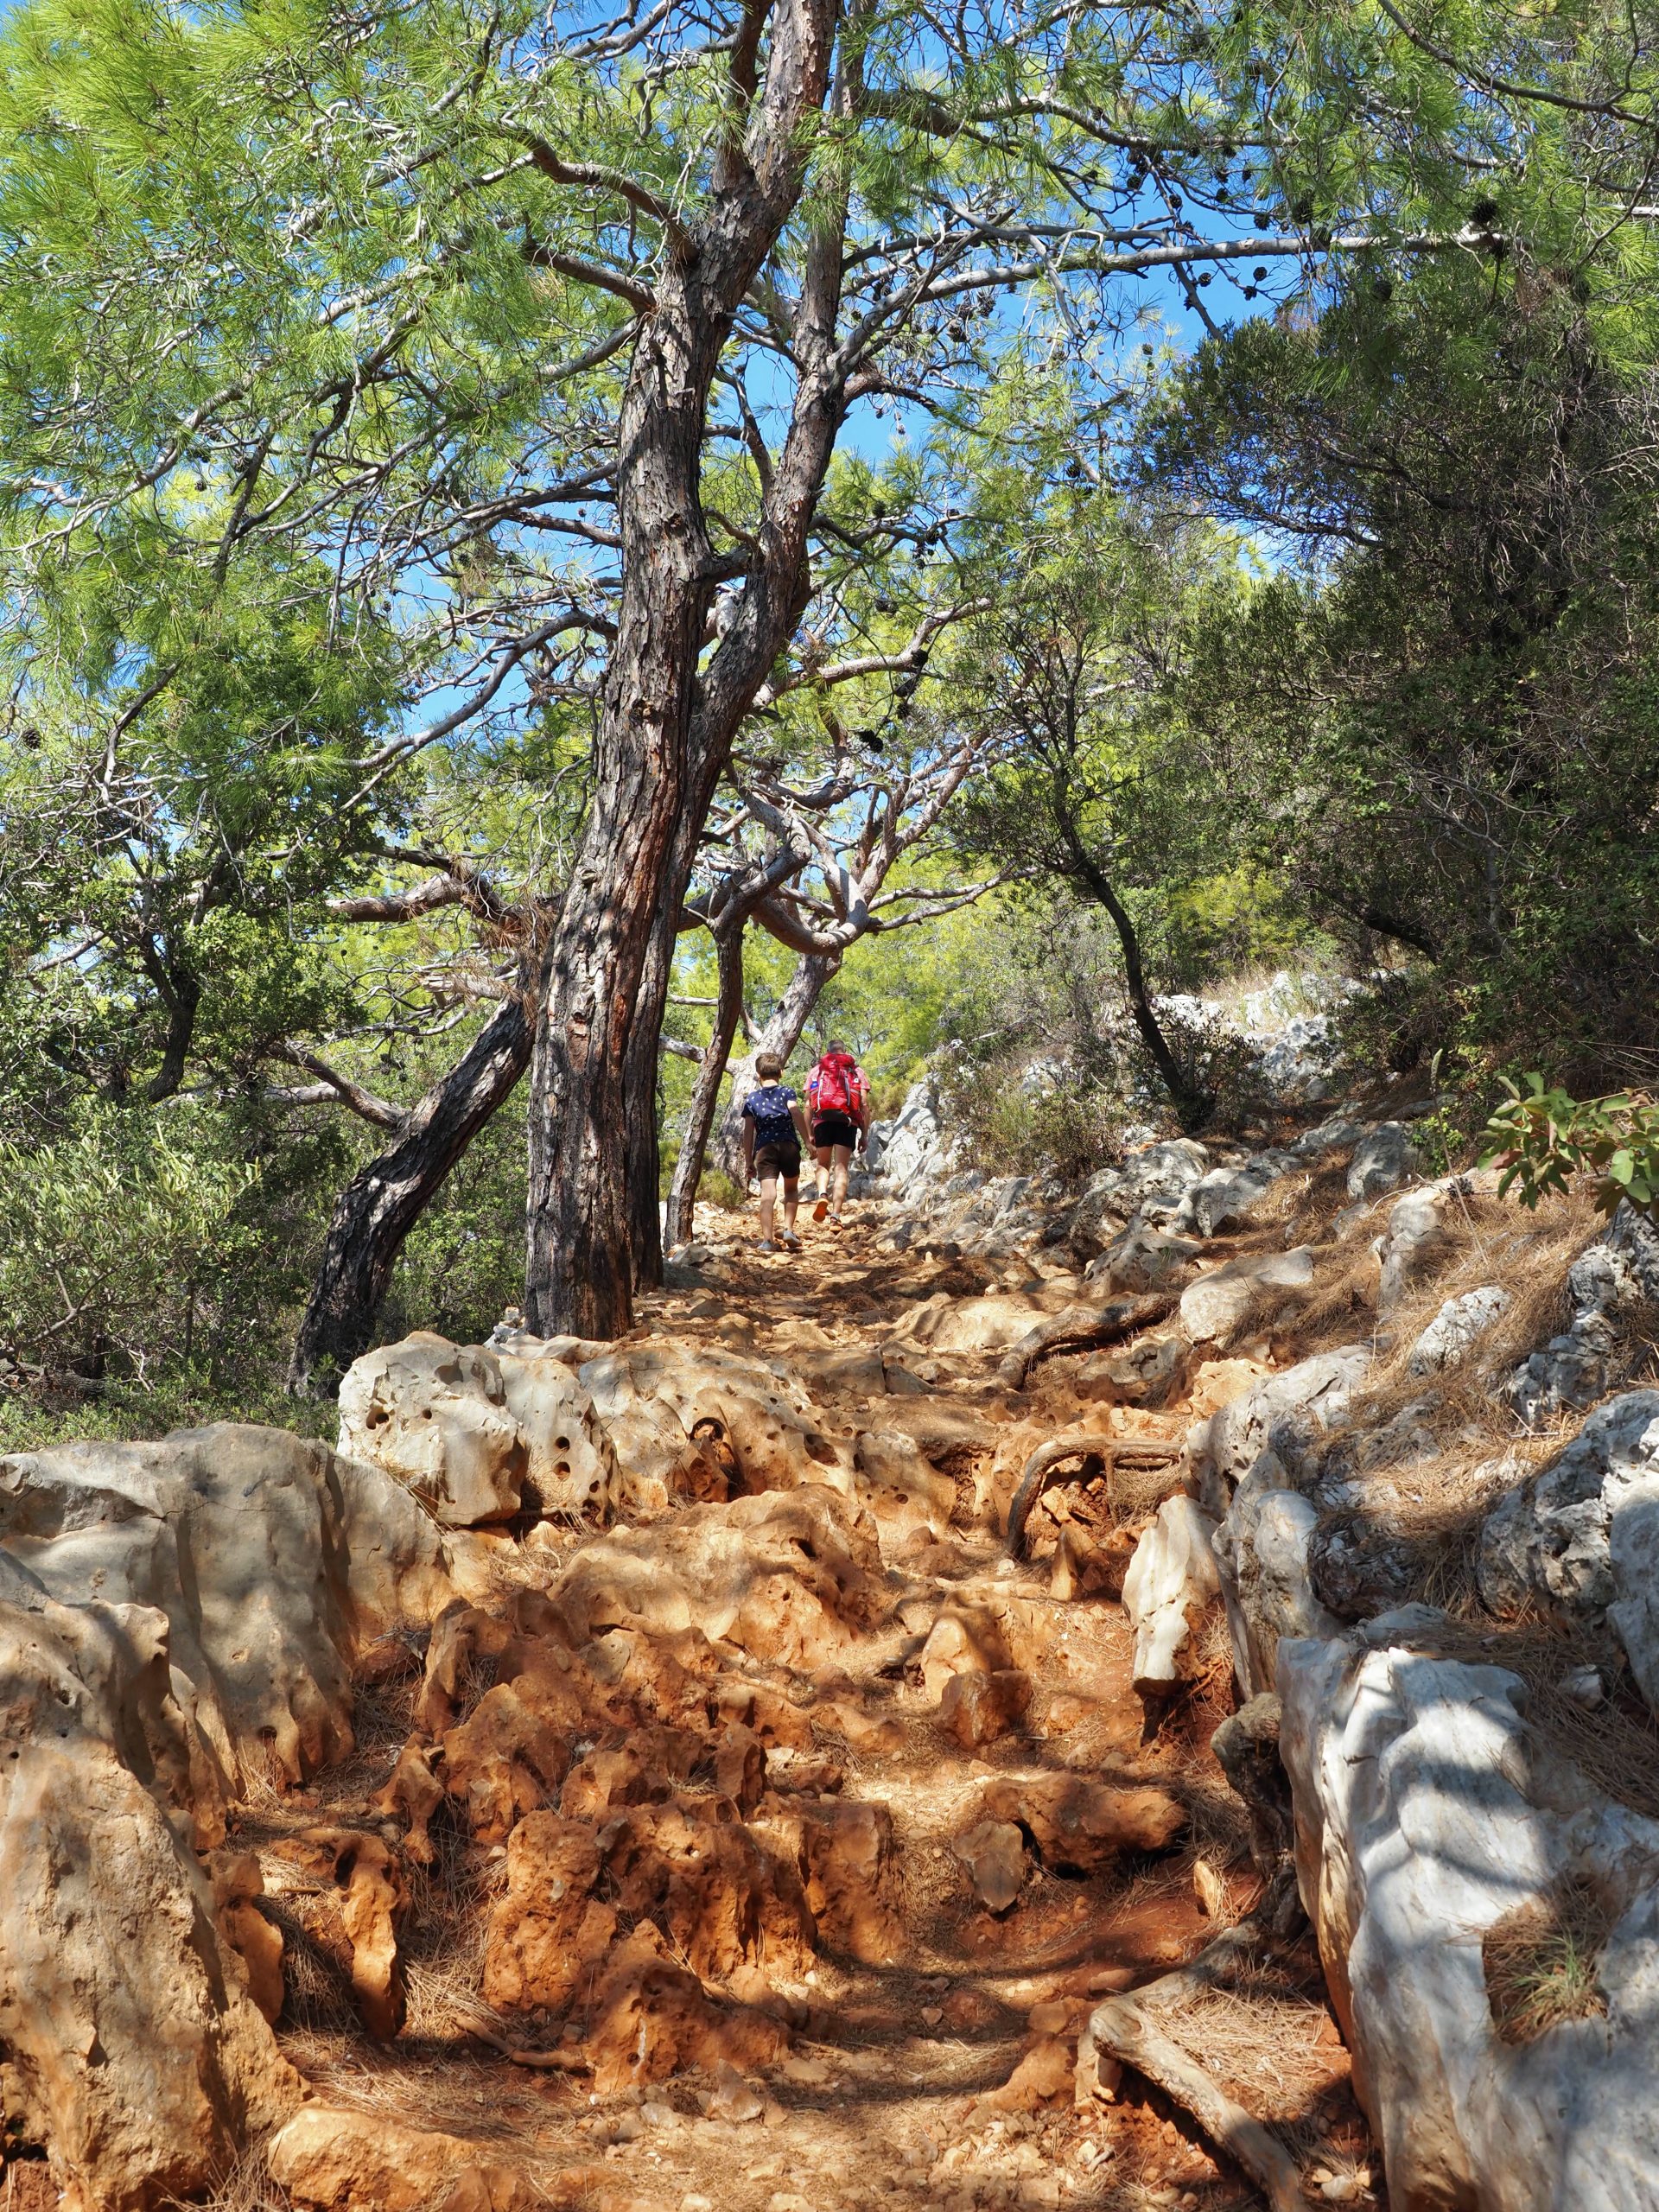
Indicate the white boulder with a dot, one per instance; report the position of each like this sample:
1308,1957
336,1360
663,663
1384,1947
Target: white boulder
1216,1304
1287,1413
1414,1240
1227,1197
1171,1581
1383,1158
1581,1538
1456,1329
1261,1550
433,1414
1427,1817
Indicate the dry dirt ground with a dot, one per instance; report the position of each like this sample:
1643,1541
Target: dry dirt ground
884,2038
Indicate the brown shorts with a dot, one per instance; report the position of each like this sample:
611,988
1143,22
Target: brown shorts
783,1159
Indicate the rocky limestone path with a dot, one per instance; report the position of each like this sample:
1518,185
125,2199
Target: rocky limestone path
768,1849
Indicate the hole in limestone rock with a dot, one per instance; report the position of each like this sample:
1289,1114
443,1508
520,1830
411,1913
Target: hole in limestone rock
1541,1960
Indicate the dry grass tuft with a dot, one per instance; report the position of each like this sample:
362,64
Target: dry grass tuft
1267,2042
245,2187
1541,1962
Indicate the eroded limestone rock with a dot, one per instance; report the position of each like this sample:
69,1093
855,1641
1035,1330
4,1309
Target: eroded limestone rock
792,1576
1262,1550
1456,1329
434,1416
1383,1158
1216,1305
1079,1825
1582,1537
1172,1578
1288,1412
134,2051
1426,1817
275,1562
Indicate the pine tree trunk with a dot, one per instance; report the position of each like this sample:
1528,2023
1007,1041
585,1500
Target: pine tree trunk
588,1141
666,724
781,1034
705,1095
385,1199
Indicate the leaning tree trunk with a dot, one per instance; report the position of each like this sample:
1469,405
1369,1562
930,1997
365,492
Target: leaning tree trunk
385,1199
1191,1104
666,724
705,1094
781,1034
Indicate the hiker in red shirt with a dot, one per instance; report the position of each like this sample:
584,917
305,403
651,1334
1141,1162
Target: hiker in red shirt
838,1109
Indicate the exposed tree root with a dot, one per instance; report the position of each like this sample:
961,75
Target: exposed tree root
1123,2028
1113,1452
1080,1328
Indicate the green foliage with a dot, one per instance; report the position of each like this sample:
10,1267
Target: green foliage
1007,1123
1436,722
150,1268
1543,1138
463,1263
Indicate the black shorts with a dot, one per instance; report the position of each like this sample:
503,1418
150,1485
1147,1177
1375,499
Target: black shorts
835,1128
783,1159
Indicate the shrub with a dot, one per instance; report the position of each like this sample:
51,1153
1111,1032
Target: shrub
1541,1138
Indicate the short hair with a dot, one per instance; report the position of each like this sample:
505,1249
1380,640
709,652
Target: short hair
836,1045
769,1067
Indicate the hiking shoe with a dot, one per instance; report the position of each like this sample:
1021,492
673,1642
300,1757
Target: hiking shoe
790,1241
765,1245
820,1212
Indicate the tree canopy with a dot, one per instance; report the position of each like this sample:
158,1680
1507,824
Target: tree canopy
472,474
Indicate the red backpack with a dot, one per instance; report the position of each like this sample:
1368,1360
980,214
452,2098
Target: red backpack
838,1086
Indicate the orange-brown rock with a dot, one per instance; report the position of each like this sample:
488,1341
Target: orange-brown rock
965,1639
414,1791
978,1709
877,1735
338,2161
790,1577
847,1856
779,1724
725,1901
496,2188
1043,2076
460,1661
376,1900
607,1780
508,1758
133,2051
650,2018
256,1941
741,1767
548,1934
1080,1825
994,1852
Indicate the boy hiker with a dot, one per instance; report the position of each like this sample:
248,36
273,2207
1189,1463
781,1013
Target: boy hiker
837,1100
774,1133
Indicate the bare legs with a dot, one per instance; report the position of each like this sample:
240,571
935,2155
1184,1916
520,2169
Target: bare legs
769,1198
834,1160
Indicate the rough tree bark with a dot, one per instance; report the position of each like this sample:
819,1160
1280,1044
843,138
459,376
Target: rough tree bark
664,731
387,1196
